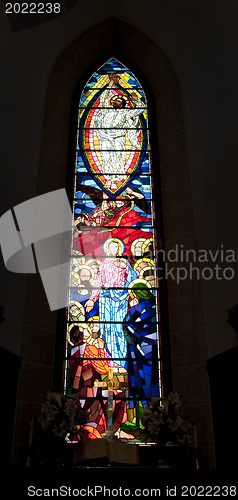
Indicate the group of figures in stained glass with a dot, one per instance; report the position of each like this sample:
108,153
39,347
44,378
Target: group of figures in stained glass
113,307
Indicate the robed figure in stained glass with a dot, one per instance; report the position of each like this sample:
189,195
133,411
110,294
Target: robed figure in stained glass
87,363
139,327
113,121
111,288
122,216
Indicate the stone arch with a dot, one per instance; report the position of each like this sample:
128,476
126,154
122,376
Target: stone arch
186,316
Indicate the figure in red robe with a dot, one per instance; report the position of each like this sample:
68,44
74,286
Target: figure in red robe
111,218
86,365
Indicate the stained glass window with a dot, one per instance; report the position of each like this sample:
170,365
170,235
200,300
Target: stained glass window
112,356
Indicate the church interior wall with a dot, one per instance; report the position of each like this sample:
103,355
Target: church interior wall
201,43
186,321
198,173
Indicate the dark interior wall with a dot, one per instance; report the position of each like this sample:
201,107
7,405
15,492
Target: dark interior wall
9,370
187,325
223,378
200,40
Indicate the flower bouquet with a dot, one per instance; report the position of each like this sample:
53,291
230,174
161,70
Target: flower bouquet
63,417
164,424
62,420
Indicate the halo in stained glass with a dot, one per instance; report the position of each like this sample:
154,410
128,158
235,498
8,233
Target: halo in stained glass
103,149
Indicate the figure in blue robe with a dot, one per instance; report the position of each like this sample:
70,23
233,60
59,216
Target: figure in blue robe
141,333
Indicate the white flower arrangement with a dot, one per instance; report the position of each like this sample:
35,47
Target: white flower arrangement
163,423
62,415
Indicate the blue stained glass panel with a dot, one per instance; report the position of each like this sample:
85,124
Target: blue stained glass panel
112,342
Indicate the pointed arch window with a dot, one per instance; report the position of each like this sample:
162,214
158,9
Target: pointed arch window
112,354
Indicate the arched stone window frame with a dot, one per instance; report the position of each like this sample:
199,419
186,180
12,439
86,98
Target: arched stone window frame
164,323
185,303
